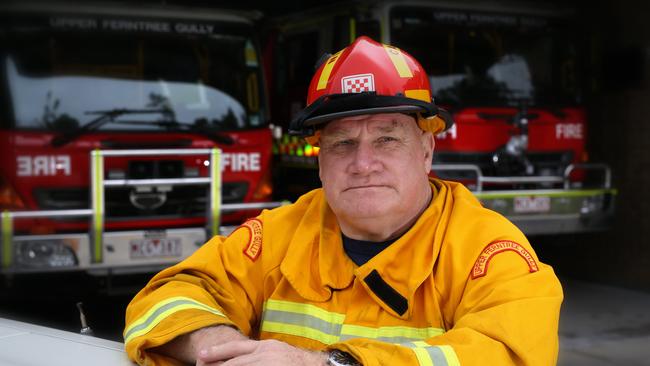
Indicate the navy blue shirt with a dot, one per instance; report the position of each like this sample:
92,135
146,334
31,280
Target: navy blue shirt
361,251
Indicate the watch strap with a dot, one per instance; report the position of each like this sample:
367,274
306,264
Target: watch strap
337,357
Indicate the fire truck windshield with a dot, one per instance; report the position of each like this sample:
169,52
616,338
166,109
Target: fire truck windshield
52,79
480,58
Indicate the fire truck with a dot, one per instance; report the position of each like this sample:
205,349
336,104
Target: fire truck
128,135
508,73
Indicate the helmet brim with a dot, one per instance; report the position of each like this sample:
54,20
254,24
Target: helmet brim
323,118
337,106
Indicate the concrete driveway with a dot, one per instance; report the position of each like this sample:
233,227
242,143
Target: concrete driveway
604,326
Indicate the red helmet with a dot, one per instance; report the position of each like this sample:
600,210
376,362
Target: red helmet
369,77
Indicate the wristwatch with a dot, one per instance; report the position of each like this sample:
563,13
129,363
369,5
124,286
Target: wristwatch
337,357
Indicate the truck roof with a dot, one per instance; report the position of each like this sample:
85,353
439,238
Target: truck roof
130,9
523,7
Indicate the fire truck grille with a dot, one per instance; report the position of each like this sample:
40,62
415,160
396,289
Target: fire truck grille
126,203
551,160
143,169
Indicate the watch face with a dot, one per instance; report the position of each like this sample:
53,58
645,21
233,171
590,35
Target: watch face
340,358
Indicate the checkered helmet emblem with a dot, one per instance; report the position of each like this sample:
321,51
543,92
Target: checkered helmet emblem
358,83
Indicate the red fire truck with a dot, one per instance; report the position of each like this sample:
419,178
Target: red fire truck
509,74
125,133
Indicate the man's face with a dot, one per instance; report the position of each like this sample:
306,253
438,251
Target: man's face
374,168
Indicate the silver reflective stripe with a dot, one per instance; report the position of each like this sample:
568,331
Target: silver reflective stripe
396,340
429,355
436,355
162,310
310,321
303,320
389,334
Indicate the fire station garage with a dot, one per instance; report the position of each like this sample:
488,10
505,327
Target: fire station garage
133,132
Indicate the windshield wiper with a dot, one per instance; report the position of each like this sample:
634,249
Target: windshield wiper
104,117
217,137
172,125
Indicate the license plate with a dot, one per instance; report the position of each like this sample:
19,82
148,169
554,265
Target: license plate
156,248
540,204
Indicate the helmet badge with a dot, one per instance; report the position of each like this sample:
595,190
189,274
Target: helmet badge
358,83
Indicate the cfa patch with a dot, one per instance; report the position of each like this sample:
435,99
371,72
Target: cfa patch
254,246
481,265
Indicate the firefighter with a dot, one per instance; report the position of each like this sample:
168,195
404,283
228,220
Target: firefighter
381,266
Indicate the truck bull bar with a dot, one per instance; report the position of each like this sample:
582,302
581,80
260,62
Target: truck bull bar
540,179
98,185
562,208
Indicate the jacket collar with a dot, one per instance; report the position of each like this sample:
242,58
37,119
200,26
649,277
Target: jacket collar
316,262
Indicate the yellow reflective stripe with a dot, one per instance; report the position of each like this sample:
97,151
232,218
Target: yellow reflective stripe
398,61
310,321
300,331
98,206
215,194
450,355
162,310
411,333
302,320
327,70
7,237
305,309
252,93
420,94
429,355
423,357
250,54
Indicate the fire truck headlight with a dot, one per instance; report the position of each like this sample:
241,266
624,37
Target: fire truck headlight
45,253
517,145
591,205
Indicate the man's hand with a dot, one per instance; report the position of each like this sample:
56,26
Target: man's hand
186,348
267,352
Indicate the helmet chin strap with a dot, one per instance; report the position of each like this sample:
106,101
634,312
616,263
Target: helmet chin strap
314,139
433,124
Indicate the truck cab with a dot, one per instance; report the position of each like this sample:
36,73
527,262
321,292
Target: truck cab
509,73
113,121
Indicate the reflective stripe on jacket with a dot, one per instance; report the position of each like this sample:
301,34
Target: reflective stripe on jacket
462,286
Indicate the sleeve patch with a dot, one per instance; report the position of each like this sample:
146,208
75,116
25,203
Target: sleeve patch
481,266
254,246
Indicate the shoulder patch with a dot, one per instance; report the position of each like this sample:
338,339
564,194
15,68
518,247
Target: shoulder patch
254,246
481,265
